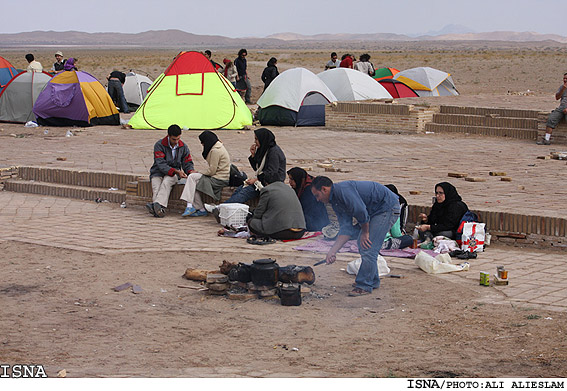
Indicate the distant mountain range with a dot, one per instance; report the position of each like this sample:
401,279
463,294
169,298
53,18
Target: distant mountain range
178,38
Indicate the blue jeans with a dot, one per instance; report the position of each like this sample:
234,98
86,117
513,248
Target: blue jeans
243,194
367,277
248,91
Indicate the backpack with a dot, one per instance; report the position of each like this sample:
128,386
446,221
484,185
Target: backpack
236,177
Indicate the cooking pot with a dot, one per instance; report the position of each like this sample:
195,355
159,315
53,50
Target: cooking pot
264,272
240,272
290,294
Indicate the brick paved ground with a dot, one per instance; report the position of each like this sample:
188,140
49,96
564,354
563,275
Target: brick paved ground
412,162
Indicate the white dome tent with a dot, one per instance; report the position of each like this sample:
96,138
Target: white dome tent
297,97
350,85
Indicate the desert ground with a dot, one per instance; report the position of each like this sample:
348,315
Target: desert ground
58,308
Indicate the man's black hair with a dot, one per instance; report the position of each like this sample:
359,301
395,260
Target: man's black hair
241,52
333,54
174,130
30,57
208,52
321,181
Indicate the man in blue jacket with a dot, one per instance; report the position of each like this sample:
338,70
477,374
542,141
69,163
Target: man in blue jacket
374,207
172,160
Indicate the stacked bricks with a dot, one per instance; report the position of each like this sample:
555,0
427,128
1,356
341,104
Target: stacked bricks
7,173
559,134
378,117
516,229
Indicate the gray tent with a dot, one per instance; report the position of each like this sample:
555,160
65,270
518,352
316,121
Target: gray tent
19,95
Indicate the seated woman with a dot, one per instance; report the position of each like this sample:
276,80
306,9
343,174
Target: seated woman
268,160
209,182
315,212
396,237
445,215
278,214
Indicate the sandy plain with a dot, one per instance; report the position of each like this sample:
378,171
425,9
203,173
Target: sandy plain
67,317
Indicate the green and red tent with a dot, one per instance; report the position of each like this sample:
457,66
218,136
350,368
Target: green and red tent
385,73
193,95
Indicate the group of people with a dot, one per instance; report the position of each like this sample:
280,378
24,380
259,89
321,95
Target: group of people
286,212
347,61
58,65
236,72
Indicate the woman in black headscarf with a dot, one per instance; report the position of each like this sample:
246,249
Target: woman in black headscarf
315,212
268,160
270,72
396,237
210,181
445,215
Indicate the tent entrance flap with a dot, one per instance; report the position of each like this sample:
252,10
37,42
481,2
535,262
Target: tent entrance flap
311,115
190,84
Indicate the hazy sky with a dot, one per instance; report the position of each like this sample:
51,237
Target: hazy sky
259,18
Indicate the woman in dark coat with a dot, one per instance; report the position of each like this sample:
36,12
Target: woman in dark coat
315,212
445,215
270,72
268,160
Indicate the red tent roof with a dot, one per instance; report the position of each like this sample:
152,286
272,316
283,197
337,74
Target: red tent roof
187,63
398,89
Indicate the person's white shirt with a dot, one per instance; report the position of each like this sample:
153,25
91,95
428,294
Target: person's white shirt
333,64
35,66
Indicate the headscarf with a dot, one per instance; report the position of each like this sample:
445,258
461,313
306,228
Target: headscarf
267,140
394,190
451,194
70,64
301,178
208,139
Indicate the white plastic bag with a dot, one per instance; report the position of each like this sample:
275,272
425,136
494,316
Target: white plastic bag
383,269
440,264
473,237
31,124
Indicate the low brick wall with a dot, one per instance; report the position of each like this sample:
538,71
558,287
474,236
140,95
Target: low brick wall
511,228
378,117
85,178
139,193
559,134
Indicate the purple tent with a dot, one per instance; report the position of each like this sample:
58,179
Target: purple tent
75,98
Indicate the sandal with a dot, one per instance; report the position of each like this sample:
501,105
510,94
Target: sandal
260,241
358,292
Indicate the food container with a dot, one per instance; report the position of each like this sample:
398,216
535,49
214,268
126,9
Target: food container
264,272
484,278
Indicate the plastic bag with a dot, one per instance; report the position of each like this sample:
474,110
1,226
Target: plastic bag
31,124
383,269
440,264
473,237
